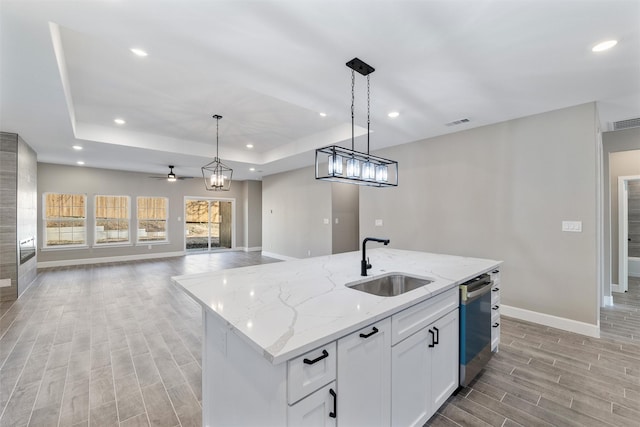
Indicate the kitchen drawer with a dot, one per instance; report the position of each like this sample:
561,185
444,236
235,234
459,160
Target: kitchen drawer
495,295
495,330
411,320
495,298
309,372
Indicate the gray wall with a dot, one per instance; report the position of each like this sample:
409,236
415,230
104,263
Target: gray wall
345,209
253,214
18,206
622,163
294,207
92,181
501,192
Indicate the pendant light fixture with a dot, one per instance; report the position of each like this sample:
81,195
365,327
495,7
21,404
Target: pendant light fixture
217,175
351,166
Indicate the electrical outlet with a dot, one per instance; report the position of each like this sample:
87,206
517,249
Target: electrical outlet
572,226
378,223
325,220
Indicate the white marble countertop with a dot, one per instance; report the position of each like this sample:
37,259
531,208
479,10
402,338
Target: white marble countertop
285,309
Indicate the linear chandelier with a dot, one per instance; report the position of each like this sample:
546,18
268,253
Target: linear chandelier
217,175
339,164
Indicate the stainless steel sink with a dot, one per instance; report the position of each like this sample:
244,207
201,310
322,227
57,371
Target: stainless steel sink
389,285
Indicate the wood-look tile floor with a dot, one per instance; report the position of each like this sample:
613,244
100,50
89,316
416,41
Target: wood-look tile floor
107,345
546,377
119,345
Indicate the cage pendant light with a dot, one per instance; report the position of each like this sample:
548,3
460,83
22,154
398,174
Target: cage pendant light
217,175
351,166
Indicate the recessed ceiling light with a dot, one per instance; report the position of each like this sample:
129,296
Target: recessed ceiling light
80,162
138,52
600,47
119,121
249,145
323,114
393,114
77,147
252,169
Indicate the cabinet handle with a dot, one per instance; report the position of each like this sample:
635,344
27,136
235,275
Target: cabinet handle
495,289
495,271
375,330
495,325
325,354
433,339
437,340
335,404
495,307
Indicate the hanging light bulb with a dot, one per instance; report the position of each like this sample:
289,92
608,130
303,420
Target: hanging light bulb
382,173
335,164
353,168
368,170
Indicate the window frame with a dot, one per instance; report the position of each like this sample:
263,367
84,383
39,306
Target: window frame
95,222
138,219
46,219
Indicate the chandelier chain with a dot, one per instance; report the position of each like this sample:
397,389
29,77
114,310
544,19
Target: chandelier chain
368,111
353,85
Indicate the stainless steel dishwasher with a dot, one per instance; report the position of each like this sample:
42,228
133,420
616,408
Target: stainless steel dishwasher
475,327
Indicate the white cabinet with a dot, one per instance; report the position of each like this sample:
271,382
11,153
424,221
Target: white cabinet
445,365
364,376
425,368
315,410
495,310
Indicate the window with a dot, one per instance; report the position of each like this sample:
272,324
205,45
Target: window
152,219
112,220
65,220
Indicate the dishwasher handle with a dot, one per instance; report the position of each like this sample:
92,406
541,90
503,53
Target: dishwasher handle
467,297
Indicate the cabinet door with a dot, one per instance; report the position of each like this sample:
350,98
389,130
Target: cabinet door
411,379
315,410
364,376
444,359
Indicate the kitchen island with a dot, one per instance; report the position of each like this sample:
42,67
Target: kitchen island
276,347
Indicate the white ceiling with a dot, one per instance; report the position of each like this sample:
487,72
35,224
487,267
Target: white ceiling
270,66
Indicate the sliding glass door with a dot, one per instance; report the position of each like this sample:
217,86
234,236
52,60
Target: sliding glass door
208,224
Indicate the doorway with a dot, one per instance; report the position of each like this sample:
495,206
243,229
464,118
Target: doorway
629,229
208,224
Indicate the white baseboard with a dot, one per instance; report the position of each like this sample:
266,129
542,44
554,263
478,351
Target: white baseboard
552,321
615,287
102,260
253,249
608,301
278,256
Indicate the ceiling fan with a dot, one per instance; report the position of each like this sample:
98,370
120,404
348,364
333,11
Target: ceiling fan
171,176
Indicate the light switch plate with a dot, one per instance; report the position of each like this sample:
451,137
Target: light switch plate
326,220
572,226
378,223
5,283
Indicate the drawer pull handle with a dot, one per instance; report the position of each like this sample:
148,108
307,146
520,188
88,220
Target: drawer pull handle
495,272
375,330
437,340
495,307
495,289
335,404
433,339
495,325
325,354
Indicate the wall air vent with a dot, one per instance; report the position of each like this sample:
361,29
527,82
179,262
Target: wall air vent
626,124
457,122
